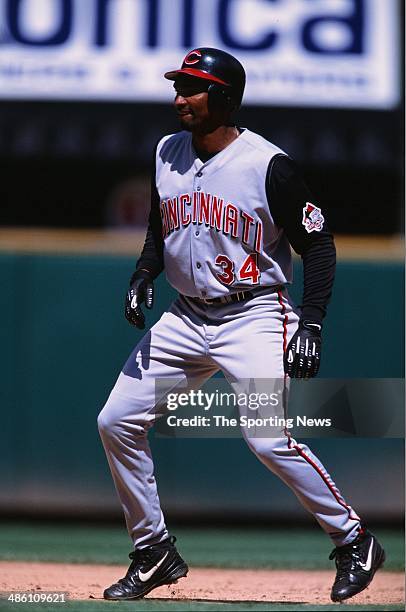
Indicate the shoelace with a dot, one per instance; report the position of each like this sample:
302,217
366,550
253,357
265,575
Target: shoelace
347,558
136,556
144,554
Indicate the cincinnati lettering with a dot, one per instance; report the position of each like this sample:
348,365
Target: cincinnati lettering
201,208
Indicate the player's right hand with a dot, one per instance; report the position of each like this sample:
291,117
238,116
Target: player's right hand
141,290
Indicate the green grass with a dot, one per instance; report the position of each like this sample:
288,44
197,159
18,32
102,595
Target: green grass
185,606
242,548
253,548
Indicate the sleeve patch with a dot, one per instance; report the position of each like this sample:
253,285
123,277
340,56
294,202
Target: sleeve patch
313,220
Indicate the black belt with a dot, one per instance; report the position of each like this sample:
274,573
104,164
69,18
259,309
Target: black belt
240,296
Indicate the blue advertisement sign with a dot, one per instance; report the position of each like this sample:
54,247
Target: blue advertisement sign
329,53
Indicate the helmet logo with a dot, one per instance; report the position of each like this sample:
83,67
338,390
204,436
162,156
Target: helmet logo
192,58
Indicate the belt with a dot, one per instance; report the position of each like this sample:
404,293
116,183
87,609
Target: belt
240,296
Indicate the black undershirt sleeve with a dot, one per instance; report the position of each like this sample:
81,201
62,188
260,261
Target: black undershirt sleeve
287,197
152,258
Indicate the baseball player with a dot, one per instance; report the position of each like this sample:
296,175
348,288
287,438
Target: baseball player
226,206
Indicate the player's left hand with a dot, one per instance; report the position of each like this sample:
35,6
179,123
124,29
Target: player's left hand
141,290
302,356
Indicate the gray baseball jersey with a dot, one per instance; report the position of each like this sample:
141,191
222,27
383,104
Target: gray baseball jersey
219,233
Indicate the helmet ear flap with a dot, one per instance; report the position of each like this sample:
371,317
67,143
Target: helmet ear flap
219,97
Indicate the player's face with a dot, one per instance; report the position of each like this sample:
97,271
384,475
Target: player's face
191,104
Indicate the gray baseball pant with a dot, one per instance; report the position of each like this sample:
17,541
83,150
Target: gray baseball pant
192,341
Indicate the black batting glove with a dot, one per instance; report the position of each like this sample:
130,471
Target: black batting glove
302,356
141,290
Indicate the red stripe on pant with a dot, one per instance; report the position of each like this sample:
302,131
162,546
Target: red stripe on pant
285,334
285,320
331,488
338,497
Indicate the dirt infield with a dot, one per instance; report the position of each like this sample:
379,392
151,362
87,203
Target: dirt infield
86,582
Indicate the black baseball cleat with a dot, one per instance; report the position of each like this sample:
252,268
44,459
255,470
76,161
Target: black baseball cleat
356,565
150,568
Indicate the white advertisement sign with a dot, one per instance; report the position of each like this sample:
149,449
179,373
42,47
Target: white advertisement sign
331,53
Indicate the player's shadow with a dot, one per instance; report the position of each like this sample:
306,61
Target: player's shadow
228,601
185,158
141,354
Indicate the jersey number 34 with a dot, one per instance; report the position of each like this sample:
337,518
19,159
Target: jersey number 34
248,271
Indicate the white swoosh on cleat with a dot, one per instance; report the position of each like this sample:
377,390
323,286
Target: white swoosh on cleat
144,577
367,566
